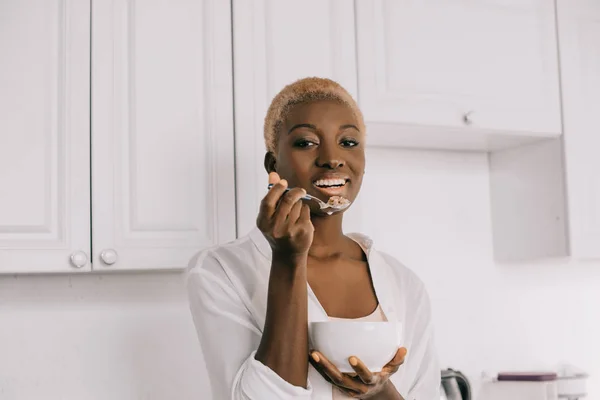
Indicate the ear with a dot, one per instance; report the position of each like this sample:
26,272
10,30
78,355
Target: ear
270,162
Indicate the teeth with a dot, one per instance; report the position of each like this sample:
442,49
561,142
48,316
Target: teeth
330,182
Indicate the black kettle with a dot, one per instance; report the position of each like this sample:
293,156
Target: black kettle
455,385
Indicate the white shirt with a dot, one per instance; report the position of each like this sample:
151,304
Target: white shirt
227,287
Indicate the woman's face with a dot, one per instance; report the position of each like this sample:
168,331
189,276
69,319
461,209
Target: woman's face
321,149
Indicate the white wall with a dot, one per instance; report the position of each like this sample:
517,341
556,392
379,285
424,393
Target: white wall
131,337
98,337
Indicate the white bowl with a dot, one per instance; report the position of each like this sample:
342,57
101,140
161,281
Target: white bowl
374,343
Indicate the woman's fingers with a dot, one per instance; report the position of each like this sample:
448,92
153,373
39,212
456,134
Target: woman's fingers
304,220
324,366
362,371
285,207
305,213
283,220
348,392
273,178
268,205
396,362
294,213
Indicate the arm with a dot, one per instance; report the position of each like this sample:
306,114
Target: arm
284,344
228,335
421,364
285,223
428,379
421,371
229,338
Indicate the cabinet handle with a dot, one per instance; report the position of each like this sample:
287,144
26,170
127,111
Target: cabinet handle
467,118
79,259
108,256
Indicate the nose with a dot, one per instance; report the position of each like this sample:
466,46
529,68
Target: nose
329,157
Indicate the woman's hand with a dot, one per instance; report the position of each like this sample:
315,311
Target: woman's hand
285,223
284,220
364,384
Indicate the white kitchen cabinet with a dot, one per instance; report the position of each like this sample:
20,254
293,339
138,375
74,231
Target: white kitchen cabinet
44,136
272,50
579,27
162,132
458,74
546,196
528,202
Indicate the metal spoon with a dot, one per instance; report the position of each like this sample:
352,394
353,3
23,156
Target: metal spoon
327,208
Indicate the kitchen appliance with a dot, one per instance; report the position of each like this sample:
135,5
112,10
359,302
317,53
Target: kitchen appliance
455,386
518,390
571,382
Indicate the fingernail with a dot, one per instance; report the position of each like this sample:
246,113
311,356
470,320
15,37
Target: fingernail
273,177
353,361
315,357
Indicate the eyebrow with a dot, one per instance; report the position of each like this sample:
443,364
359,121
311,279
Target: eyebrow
314,128
349,126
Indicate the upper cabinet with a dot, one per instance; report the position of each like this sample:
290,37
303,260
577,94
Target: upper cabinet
546,196
44,136
162,132
153,182
276,43
458,74
579,27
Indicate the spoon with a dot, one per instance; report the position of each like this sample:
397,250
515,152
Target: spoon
325,207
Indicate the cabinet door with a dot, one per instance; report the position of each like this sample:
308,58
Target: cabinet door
271,51
44,136
162,131
579,28
489,64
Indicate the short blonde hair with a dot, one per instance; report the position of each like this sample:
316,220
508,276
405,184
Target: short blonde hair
304,91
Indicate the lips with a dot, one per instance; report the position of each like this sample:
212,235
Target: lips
329,182
331,185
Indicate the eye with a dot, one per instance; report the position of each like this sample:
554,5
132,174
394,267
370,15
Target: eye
349,143
304,143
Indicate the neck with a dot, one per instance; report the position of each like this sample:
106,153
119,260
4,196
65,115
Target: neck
328,235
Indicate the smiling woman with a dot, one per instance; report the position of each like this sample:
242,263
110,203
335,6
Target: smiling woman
253,300
307,153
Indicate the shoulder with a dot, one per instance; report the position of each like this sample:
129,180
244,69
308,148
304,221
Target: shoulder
406,281
236,260
410,292
401,272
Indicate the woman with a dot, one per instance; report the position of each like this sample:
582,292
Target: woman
252,300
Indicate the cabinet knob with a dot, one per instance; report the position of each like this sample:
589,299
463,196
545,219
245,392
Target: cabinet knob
79,259
467,118
108,256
